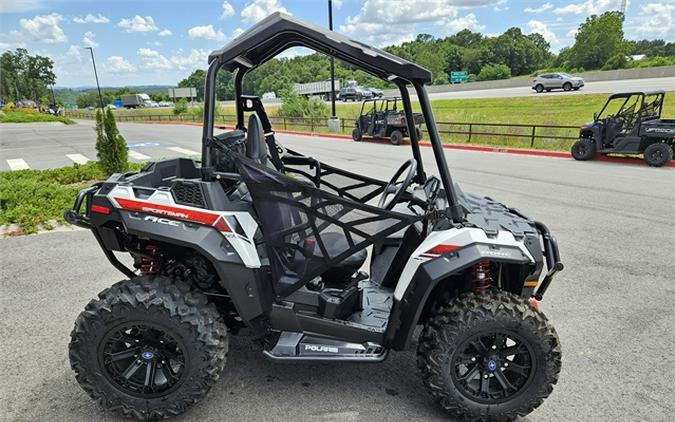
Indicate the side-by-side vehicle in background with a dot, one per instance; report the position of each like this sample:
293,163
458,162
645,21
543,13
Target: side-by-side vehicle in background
629,123
259,240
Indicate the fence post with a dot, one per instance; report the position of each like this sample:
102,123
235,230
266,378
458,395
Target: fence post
470,130
311,124
284,118
534,128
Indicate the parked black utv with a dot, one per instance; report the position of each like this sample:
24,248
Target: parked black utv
385,118
629,123
259,240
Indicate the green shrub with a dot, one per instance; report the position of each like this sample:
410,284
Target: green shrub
492,72
180,107
617,61
298,106
111,148
197,112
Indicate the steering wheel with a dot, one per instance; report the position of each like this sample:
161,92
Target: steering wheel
396,188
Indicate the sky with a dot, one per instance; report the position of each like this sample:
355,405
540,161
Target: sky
159,42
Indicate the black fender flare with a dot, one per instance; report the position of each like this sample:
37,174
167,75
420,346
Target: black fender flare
406,312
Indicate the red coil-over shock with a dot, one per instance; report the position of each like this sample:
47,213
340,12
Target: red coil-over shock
150,262
481,276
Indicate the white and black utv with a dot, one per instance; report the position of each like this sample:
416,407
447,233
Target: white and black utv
267,242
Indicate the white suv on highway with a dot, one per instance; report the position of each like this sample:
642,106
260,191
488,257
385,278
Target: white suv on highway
560,80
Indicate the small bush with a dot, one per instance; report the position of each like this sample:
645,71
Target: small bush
180,107
617,61
492,72
197,112
111,148
298,106
8,107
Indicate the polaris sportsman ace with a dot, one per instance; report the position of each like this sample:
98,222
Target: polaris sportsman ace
261,240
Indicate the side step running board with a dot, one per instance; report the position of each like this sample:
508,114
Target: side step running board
293,346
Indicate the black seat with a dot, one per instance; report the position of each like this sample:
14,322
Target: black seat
335,244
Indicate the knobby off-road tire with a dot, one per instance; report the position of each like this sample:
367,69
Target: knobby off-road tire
583,149
658,155
357,136
456,326
181,336
396,137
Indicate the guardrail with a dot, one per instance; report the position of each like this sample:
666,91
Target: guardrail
466,132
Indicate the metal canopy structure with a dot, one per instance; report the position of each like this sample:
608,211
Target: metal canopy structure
279,31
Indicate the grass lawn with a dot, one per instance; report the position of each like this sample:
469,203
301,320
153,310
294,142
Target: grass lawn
30,117
30,198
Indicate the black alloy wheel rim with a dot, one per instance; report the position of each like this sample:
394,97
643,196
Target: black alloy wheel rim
656,155
143,359
583,149
492,368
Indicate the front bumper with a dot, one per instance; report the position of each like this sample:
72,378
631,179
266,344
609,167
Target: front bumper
552,256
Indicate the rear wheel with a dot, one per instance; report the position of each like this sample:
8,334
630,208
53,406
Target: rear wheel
539,88
357,136
567,86
396,137
583,149
148,348
419,133
658,155
489,357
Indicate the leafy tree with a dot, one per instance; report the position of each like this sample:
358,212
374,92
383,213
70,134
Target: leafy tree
598,39
111,148
23,76
616,62
467,39
195,80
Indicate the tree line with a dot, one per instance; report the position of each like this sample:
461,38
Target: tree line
26,77
599,44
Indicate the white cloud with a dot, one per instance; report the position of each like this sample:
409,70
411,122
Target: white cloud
466,22
88,40
657,18
402,12
165,33
542,29
153,59
19,6
237,32
260,9
228,10
338,3
589,7
138,24
544,7
117,64
206,32
501,6
91,19
73,55
43,28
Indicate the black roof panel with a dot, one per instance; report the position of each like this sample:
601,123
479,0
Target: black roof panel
279,32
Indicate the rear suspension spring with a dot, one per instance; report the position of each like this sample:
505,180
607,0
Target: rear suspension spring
481,276
150,263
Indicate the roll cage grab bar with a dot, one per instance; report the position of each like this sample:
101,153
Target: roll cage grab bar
454,212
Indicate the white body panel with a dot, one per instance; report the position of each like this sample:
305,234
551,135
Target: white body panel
459,237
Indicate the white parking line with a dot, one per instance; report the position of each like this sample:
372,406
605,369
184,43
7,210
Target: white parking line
78,158
138,156
17,164
183,151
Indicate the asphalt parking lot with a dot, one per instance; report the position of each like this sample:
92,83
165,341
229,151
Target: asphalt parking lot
612,305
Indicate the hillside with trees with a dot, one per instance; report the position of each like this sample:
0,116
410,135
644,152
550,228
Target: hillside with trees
599,44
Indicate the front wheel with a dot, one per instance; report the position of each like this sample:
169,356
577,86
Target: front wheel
489,357
567,87
396,137
583,149
357,136
148,348
658,155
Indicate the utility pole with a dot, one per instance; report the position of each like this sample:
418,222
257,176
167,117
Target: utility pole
100,97
332,61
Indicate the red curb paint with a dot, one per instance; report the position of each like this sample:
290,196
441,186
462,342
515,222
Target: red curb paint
502,150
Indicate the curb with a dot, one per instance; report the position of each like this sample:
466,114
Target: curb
475,148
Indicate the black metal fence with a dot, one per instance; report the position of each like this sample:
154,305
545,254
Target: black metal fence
532,135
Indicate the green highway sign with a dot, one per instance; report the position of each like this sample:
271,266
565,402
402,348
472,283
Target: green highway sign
458,77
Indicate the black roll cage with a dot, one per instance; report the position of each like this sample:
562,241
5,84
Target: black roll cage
659,96
279,32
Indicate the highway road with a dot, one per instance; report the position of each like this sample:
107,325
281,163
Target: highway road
599,87
612,305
